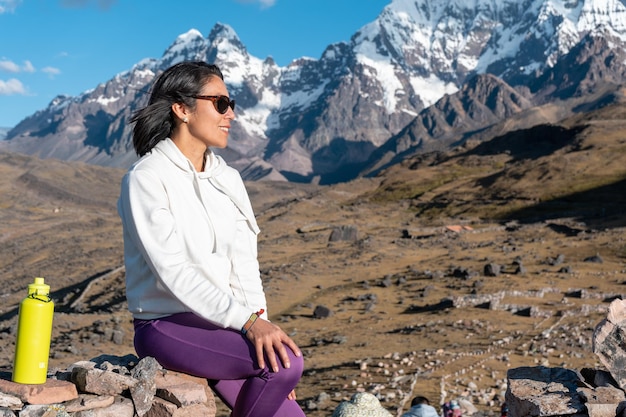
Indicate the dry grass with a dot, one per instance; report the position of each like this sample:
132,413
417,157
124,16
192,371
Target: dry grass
399,325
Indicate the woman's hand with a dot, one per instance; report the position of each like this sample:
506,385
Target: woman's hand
270,339
292,395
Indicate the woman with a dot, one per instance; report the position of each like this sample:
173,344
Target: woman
190,249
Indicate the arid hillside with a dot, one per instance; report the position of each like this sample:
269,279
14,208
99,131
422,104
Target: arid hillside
437,275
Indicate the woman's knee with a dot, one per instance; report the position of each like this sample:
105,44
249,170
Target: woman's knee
292,374
297,364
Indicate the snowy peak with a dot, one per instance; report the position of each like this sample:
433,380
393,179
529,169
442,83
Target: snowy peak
453,38
431,68
227,50
186,40
226,45
225,36
188,46
609,15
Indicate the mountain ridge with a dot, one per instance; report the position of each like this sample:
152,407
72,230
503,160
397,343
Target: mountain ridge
314,120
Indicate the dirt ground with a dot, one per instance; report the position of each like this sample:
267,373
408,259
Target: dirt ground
411,307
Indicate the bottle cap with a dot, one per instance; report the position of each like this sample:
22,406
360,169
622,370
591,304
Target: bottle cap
38,287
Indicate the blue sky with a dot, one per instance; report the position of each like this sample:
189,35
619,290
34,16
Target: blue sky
52,47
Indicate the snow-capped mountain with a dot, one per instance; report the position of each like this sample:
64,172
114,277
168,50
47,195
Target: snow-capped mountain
314,119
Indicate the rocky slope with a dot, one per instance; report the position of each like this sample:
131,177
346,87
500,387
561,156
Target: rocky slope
438,275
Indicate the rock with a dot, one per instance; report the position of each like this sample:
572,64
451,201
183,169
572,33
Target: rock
161,408
362,404
210,399
608,338
345,233
194,410
101,382
594,259
52,391
542,391
556,261
321,312
10,401
602,410
124,388
143,392
323,398
492,270
5,412
88,402
602,395
519,268
598,377
38,410
118,337
178,390
386,282
121,407
463,273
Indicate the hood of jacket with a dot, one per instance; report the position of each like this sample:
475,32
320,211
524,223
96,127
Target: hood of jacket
217,172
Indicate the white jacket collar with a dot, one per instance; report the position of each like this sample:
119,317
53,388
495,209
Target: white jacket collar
213,172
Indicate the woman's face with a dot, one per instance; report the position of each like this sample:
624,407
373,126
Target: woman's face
206,124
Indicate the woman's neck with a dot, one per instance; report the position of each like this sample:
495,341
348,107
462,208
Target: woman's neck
195,153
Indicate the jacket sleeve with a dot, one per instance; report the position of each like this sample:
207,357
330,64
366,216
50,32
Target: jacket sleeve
149,224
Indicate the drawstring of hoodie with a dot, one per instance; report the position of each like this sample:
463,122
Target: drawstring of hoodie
212,172
214,168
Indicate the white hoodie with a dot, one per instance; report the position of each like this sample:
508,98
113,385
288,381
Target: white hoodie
190,239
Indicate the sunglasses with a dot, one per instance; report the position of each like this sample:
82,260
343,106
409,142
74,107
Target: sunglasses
221,103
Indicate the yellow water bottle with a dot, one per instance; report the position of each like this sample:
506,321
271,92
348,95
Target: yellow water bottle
34,330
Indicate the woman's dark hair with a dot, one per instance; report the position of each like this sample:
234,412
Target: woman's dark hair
176,84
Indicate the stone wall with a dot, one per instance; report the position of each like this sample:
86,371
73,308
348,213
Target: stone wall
109,386
113,386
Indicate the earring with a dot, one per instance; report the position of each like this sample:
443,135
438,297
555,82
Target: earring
185,120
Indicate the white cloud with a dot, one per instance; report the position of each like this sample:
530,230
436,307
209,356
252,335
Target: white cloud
28,67
8,6
51,71
10,66
11,86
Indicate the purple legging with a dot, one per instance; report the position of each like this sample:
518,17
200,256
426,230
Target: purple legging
187,343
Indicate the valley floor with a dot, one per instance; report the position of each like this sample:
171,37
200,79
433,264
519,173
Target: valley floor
412,310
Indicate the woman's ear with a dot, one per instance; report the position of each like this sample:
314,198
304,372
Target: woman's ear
180,110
